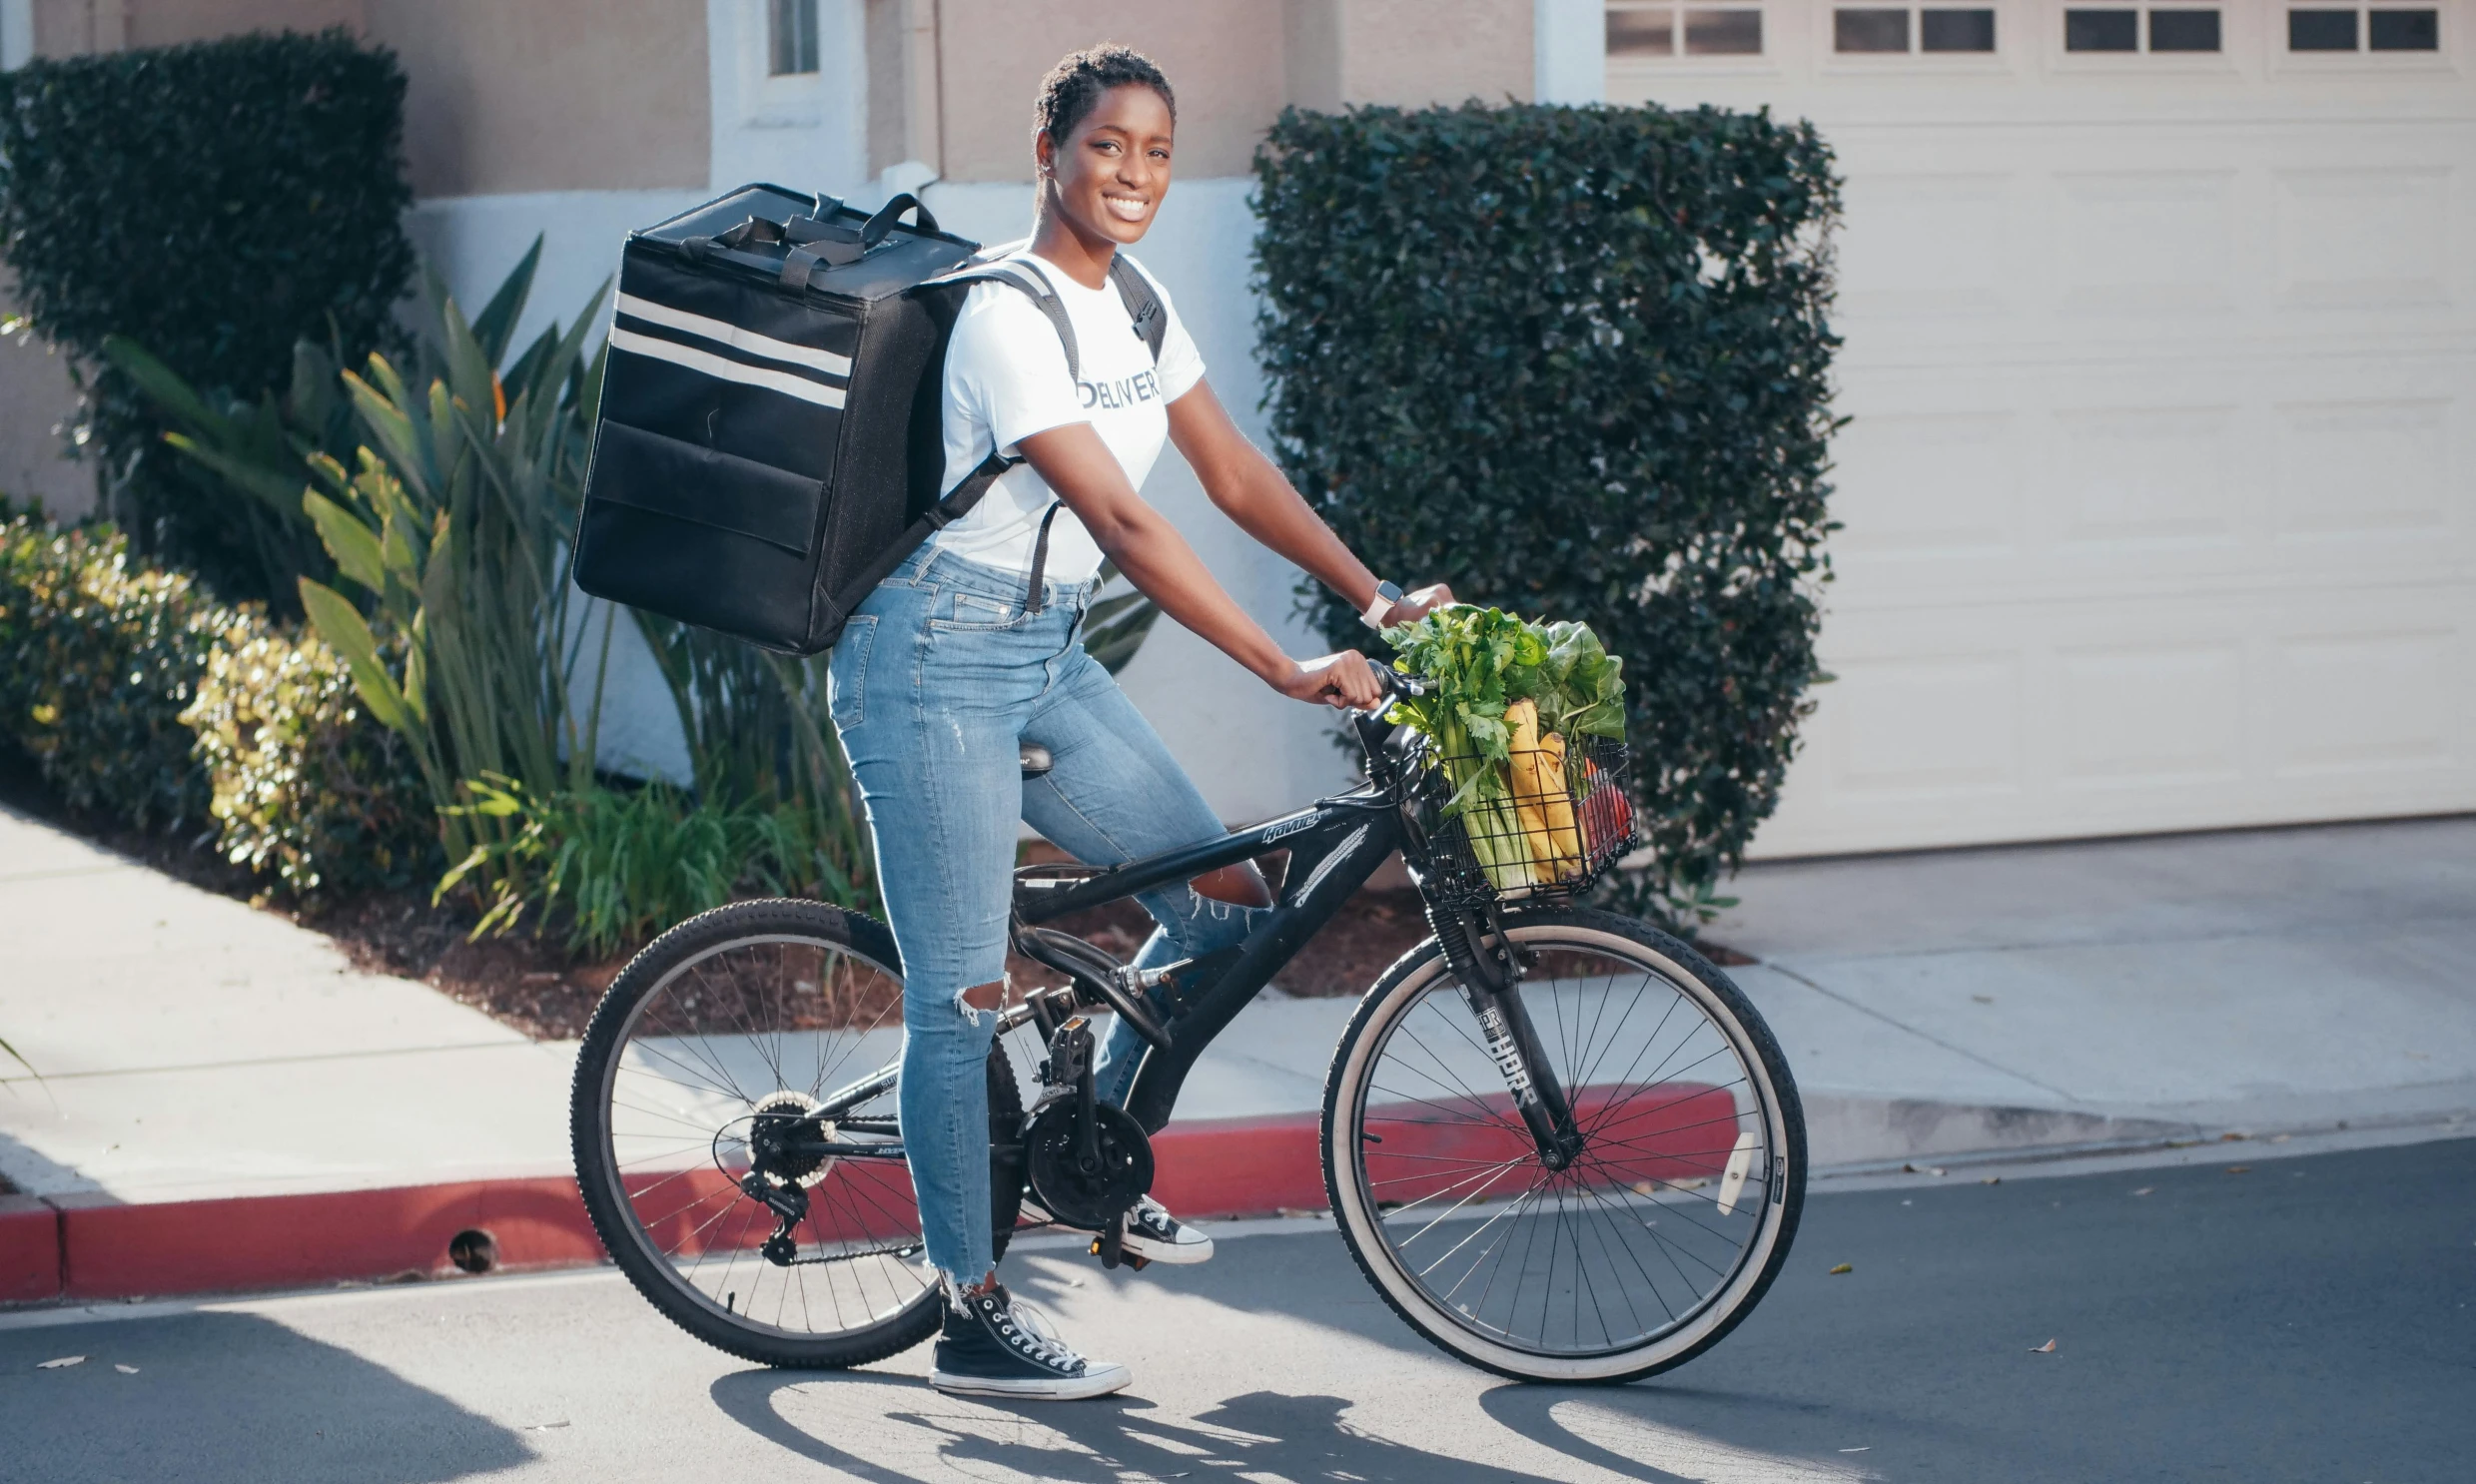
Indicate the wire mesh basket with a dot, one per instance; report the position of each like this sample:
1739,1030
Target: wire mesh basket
1528,829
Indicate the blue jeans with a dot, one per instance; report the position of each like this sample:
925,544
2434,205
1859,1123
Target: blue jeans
938,679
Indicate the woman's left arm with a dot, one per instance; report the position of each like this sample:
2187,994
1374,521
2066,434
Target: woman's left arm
1251,491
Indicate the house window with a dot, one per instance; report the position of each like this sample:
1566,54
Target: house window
1667,30
790,37
2352,28
1900,29
2141,28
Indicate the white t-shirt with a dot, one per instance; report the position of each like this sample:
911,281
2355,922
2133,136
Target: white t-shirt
1006,380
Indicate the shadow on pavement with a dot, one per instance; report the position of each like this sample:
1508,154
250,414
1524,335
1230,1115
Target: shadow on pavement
1259,1434
227,1397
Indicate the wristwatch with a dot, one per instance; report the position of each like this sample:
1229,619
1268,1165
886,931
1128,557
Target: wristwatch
1386,596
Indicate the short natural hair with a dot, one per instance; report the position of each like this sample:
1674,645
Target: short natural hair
1075,84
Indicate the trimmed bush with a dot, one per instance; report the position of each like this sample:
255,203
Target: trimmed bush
307,787
1575,362
98,658
214,204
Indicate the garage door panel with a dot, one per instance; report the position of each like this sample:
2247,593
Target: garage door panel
2354,703
2054,720
2152,713
2142,476
2364,239
2094,483
2362,473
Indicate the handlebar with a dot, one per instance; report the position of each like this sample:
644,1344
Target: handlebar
1394,684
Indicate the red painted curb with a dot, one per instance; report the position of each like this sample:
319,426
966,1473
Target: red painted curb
115,1251
29,1250
94,1247
1239,1167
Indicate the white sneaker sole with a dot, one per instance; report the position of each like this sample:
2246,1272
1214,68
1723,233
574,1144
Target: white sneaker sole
1176,1254
1098,1381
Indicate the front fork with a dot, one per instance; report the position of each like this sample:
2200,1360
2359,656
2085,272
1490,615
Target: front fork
1490,974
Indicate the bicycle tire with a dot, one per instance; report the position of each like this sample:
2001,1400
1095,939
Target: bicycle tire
1345,1146
623,1227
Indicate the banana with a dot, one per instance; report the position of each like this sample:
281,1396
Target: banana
1556,806
1529,793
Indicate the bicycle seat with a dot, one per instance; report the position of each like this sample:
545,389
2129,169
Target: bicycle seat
1036,760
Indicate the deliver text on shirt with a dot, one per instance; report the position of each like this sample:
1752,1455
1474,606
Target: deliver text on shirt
1126,391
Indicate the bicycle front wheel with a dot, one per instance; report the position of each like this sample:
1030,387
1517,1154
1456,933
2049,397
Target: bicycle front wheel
745,1053
1645,1249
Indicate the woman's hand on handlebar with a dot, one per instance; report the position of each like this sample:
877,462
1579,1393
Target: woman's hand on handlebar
1346,680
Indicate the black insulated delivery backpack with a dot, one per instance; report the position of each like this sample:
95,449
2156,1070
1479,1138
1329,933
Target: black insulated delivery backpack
770,442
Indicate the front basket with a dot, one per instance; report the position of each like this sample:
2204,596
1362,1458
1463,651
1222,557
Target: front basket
1515,835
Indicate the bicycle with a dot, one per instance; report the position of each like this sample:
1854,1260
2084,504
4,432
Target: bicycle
1559,1143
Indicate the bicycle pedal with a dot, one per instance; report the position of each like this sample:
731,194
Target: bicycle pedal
1120,1257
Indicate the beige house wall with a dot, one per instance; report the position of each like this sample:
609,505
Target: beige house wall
504,95
1234,64
1222,56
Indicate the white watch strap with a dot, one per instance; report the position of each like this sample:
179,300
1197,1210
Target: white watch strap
1374,616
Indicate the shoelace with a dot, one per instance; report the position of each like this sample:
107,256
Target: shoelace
1034,1326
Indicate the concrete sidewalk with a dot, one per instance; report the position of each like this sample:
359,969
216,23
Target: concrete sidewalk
216,1080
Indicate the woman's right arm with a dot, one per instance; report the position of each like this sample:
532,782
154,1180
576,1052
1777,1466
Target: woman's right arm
1158,560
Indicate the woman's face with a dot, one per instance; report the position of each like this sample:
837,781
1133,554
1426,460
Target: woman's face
1108,175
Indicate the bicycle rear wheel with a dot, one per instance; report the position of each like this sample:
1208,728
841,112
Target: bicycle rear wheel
708,1049
1659,1236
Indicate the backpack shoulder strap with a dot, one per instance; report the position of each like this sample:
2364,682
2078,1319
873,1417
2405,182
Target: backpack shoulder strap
1028,278
1142,303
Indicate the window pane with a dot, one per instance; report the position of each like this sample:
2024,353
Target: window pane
2322,30
791,37
1956,30
2102,30
1724,32
1642,33
1870,30
2406,30
2184,30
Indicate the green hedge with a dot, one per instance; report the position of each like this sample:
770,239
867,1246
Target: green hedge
1575,362
142,700
305,787
98,658
214,204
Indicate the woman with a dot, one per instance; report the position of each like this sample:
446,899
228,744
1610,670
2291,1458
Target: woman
953,663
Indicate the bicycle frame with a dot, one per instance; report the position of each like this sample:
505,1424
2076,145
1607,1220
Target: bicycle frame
1335,845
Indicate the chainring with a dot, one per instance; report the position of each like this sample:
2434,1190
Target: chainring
1077,1196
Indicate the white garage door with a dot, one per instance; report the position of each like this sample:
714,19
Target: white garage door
2161,483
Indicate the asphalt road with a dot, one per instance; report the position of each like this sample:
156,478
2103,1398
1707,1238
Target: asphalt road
2308,1319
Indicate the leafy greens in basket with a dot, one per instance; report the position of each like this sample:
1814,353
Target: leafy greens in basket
1508,700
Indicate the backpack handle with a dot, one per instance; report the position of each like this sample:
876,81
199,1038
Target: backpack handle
882,222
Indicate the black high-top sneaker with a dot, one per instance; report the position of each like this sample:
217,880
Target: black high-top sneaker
994,1346
1157,1236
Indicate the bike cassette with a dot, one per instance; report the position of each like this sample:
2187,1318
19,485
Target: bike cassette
781,1146
1088,1181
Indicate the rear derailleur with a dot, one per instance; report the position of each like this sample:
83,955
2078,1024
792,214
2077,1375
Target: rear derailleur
1089,1162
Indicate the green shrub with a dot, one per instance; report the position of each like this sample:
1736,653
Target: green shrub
1575,362
98,657
306,786
215,202
611,867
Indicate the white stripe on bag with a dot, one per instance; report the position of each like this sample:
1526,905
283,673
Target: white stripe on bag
729,371
731,335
